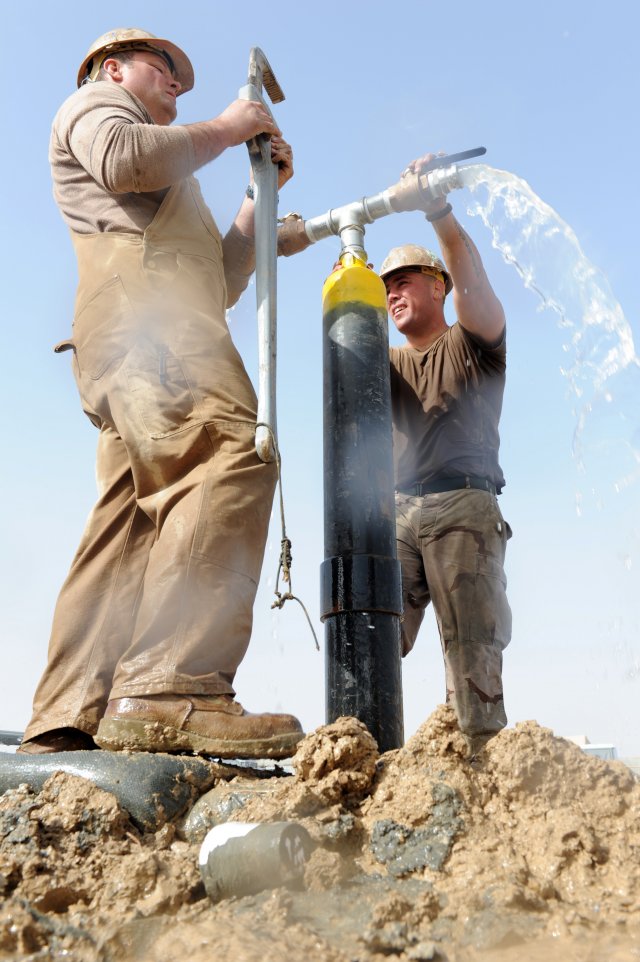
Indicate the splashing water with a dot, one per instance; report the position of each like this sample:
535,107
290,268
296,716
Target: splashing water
603,370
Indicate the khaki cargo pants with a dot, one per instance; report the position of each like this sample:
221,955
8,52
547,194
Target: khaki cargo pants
451,546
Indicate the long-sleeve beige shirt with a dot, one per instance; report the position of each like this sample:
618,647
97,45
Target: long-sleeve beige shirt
112,166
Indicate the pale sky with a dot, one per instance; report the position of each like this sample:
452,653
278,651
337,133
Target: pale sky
551,91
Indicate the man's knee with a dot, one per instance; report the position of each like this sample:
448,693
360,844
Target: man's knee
412,615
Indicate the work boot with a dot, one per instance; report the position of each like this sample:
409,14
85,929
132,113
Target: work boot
476,743
57,740
204,724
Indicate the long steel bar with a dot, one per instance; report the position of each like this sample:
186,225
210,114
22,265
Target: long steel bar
265,175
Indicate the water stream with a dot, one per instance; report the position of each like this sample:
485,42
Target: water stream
602,368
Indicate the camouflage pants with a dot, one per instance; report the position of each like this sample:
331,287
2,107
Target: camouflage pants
451,546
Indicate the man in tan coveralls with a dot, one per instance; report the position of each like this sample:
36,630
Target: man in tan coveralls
446,391
156,613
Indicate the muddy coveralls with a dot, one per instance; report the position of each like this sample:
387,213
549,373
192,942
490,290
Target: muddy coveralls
451,535
160,594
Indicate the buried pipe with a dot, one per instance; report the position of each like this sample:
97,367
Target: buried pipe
152,788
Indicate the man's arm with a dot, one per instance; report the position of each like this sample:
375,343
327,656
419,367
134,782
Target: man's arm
477,308
239,122
109,132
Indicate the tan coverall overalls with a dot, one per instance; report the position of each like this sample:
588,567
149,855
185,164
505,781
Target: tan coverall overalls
160,594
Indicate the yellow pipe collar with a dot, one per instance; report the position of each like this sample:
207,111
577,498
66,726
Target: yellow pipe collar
353,281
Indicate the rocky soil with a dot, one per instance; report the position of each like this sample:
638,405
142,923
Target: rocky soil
529,854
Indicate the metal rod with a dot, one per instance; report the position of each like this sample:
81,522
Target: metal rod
265,175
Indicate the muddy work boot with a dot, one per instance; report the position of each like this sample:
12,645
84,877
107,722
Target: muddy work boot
204,724
58,740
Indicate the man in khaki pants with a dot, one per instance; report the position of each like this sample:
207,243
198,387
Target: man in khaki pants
447,384
156,613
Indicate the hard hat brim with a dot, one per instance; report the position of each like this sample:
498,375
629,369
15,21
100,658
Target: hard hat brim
183,67
413,257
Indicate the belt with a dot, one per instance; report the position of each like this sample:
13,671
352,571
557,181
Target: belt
449,484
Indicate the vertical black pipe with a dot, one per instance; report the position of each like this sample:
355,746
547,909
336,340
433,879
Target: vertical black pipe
361,597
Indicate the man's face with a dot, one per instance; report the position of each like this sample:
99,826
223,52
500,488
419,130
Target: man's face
412,300
148,77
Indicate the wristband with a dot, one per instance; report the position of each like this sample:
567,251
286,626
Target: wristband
439,213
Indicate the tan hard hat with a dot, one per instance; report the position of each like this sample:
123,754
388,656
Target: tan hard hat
136,39
412,256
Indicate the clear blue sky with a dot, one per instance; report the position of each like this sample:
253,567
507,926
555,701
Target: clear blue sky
551,91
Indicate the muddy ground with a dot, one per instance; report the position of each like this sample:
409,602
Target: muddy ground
530,854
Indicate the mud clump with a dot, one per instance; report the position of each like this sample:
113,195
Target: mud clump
531,853
338,762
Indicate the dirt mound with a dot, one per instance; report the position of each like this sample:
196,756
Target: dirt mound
530,853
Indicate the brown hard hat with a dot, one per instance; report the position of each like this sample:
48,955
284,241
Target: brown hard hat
410,256
135,39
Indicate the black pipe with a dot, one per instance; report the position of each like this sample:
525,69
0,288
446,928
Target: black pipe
361,597
152,788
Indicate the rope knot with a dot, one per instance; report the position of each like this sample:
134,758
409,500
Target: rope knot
286,559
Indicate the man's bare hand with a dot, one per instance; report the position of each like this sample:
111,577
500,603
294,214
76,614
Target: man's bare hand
417,167
242,120
282,155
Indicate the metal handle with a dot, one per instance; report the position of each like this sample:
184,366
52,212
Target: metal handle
448,159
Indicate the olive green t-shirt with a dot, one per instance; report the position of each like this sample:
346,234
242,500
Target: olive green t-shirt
446,405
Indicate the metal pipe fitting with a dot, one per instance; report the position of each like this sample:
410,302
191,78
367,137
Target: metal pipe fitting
348,221
244,858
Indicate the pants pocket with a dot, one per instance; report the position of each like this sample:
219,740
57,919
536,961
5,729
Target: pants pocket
160,390
490,623
101,328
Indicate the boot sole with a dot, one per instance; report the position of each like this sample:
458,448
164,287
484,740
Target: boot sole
140,736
